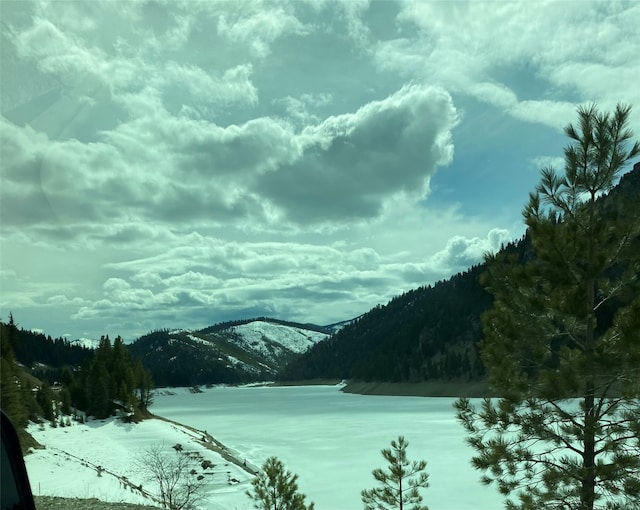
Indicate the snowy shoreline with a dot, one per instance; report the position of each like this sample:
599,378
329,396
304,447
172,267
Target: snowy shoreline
102,459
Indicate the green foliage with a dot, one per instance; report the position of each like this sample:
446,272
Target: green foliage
144,385
45,400
112,380
30,348
562,341
276,488
16,396
399,486
11,394
108,379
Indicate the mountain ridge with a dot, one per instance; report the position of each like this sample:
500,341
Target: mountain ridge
231,352
431,333
428,333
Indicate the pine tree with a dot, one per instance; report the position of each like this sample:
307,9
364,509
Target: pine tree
144,385
98,400
44,397
399,486
11,395
122,373
65,401
276,488
10,382
562,341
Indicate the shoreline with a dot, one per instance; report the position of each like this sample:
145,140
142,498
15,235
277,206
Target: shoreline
212,444
307,382
98,459
437,388
451,389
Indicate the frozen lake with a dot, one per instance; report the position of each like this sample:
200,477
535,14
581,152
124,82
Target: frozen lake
332,440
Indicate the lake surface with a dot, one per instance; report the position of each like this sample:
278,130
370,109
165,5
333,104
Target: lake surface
332,440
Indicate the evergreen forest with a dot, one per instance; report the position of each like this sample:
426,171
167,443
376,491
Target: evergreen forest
55,381
434,332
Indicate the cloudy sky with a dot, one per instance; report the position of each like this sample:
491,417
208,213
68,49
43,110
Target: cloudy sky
180,163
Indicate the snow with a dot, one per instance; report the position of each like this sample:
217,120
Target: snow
329,438
193,338
257,335
236,362
68,466
89,343
199,340
333,439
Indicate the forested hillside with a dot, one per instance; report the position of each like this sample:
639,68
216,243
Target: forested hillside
227,353
179,358
44,356
431,332
427,333
54,380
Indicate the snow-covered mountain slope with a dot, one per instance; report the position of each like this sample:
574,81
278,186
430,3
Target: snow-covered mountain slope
228,353
271,340
89,343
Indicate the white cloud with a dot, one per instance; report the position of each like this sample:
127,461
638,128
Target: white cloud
587,47
551,113
549,161
352,164
496,94
462,252
204,160
250,23
58,53
176,169
63,300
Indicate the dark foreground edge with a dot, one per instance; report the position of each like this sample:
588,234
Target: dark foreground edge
16,490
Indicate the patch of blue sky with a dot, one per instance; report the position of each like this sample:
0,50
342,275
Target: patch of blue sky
493,150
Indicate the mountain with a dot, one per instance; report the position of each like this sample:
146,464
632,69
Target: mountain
426,333
430,333
231,352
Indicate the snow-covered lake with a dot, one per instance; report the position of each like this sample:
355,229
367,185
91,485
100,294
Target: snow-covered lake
332,440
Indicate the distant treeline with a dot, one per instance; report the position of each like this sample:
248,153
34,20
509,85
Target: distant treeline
31,347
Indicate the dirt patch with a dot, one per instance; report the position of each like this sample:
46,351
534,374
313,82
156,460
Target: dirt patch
422,389
54,503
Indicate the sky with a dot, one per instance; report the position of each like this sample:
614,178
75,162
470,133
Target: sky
175,164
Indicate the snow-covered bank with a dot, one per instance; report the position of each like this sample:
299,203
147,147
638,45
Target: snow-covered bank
100,459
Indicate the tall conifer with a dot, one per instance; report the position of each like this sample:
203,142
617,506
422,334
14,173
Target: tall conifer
276,488
400,485
562,341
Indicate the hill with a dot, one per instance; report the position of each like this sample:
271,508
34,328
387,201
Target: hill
430,333
42,355
427,333
231,352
